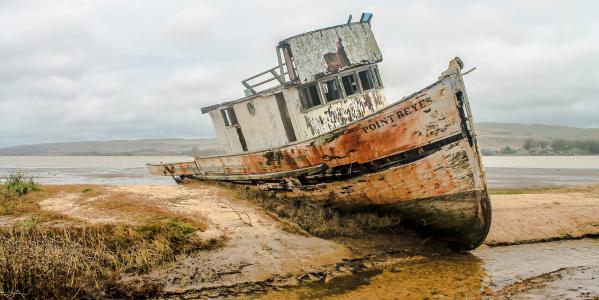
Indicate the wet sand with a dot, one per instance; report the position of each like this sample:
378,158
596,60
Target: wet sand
527,218
264,253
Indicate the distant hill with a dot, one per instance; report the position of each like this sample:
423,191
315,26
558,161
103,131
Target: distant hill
184,147
492,138
495,136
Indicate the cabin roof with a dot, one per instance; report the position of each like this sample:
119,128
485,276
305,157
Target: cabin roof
285,41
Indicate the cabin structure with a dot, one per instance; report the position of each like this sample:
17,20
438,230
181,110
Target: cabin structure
324,79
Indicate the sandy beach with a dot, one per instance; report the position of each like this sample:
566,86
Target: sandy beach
527,218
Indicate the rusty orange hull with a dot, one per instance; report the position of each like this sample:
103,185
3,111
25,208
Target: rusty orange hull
418,157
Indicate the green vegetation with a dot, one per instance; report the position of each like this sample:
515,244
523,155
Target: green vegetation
20,184
507,150
549,147
561,147
13,189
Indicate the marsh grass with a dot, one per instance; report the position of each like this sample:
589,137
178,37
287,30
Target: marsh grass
20,184
85,261
14,205
327,222
51,255
12,190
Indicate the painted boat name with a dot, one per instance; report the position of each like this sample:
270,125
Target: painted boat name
400,114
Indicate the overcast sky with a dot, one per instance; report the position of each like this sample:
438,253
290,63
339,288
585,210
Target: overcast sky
113,69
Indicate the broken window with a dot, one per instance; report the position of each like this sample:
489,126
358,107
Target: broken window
366,80
331,90
350,85
229,116
309,96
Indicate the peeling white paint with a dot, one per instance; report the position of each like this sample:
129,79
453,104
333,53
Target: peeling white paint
309,49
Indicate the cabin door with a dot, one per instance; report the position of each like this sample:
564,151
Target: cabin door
230,119
285,117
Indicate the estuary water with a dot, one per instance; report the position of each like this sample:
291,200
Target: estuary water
87,169
498,272
540,171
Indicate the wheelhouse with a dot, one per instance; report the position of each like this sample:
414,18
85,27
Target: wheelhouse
324,79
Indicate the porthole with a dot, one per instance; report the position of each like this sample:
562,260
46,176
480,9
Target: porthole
251,108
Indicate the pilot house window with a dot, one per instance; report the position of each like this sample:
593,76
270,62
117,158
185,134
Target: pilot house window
309,96
331,90
366,80
349,84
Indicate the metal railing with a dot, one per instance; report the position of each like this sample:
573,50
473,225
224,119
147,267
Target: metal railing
275,76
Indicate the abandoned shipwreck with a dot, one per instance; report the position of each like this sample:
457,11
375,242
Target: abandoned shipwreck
317,127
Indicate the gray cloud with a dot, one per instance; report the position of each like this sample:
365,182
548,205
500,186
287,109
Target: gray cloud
97,70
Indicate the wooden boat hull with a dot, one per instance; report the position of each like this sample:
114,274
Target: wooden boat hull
418,157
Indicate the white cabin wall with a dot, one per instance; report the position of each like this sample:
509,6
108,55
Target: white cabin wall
296,115
265,128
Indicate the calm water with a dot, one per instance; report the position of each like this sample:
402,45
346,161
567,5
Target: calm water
466,275
502,171
540,171
88,169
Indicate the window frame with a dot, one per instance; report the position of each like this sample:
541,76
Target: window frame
318,91
356,80
376,84
230,120
377,76
372,82
339,88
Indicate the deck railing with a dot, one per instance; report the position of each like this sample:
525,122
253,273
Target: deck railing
251,87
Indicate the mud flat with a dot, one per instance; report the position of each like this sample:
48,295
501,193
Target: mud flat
263,251
544,216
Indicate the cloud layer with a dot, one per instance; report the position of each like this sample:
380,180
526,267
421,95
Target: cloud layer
98,70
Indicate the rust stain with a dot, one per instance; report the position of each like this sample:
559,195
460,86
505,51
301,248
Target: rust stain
447,171
338,60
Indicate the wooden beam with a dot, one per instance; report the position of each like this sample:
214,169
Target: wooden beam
242,177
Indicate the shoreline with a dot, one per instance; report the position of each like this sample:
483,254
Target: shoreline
263,252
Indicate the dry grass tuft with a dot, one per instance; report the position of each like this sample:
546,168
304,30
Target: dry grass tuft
51,255
76,261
